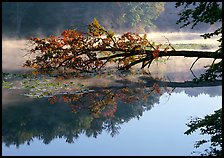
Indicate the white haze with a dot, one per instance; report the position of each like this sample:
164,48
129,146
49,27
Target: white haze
181,38
13,54
12,51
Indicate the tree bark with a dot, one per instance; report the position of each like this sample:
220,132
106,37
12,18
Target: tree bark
126,53
149,55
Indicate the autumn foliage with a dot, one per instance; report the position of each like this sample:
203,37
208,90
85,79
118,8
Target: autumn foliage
80,51
104,103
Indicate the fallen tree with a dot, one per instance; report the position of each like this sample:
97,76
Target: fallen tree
79,51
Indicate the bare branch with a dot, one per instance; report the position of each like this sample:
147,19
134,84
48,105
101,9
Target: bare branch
194,63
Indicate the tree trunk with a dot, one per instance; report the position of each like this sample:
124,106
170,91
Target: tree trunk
149,55
199,54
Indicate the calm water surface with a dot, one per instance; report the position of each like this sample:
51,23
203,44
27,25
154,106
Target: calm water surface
156,131
120,114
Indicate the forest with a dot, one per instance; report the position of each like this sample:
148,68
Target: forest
17,18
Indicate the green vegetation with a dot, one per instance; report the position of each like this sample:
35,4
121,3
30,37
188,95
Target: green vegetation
41,86
18,16
211,125
206,12
6,84
140,15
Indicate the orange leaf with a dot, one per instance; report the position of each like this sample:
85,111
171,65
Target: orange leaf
35,66
156,87
165,50
156,53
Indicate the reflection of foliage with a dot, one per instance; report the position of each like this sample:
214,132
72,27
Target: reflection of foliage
91,114
104,103
211,125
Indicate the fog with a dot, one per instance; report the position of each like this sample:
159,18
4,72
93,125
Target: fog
13,52
21,20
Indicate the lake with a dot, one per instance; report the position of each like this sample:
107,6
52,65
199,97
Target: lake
137,112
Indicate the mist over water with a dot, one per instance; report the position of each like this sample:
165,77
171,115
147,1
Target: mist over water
13,54
182,38
13,51
19,24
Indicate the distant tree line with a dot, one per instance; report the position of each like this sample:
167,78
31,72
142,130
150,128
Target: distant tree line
35,18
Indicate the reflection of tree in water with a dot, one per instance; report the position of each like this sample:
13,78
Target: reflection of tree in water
69,116
195,92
